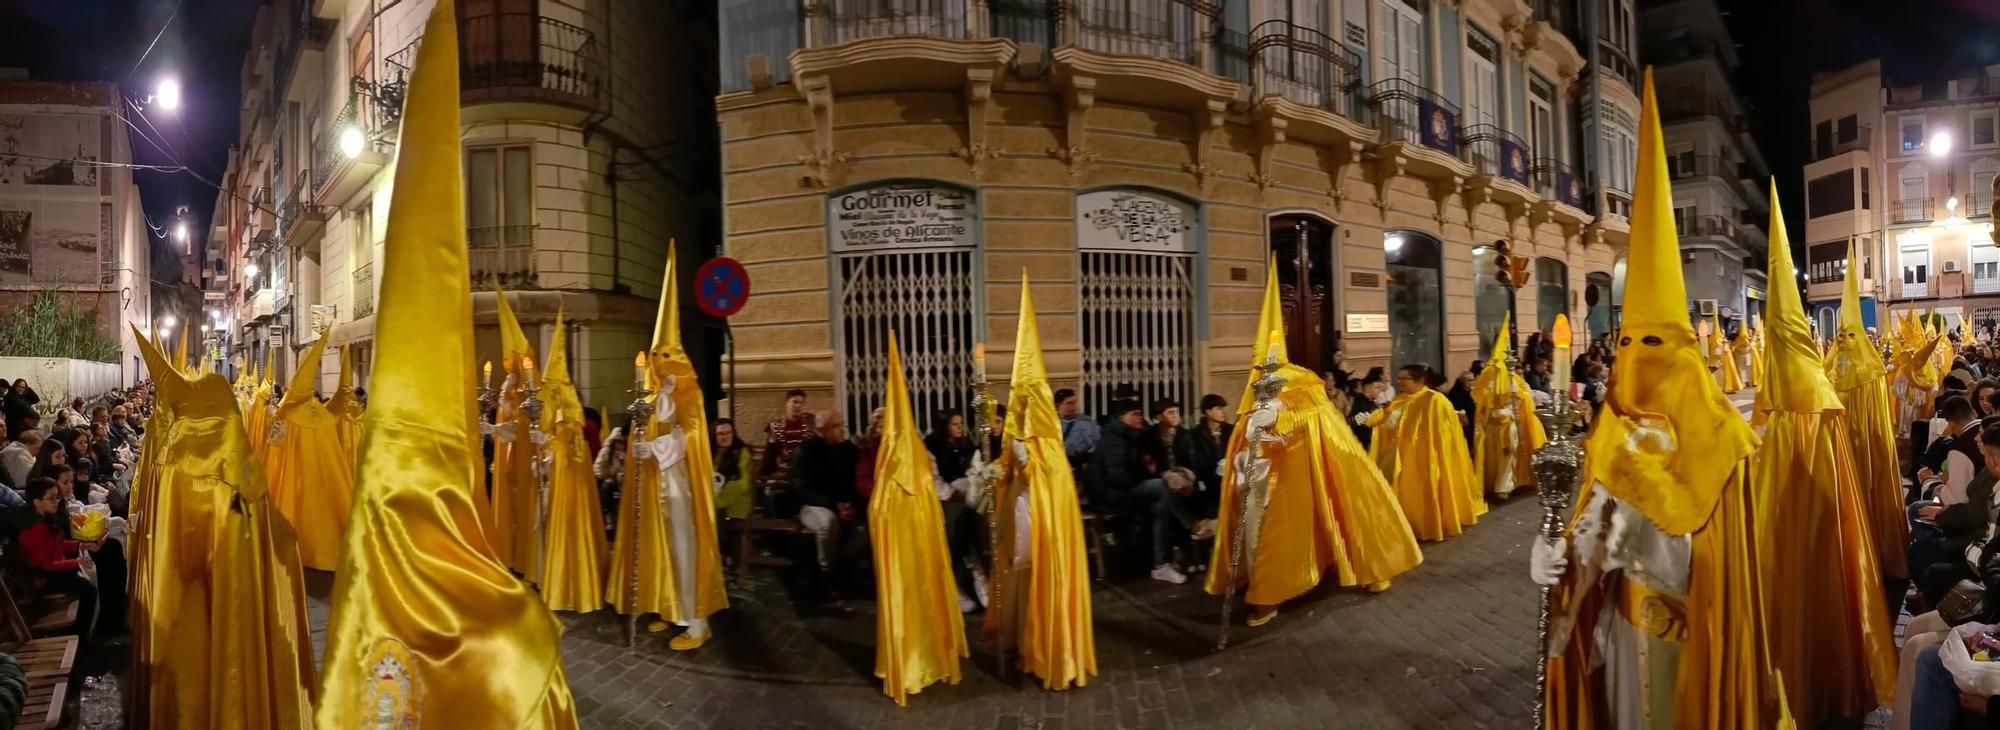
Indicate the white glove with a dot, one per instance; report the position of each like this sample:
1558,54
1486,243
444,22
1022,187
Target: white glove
1360,419
1547,560
1020,452
504,432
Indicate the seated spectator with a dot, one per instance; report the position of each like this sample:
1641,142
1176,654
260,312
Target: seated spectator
17,405
782,437
53,559
823,482
1925,693
50,454
18,457
1080,433
732,470
1211,446
1128,482
124,433
1940,534
1954,454
864,463
1538,374
952,451
1982,398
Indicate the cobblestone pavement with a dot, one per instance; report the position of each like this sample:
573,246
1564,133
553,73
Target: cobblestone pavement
1450,645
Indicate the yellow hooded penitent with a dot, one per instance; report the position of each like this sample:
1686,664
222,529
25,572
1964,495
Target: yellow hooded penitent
1830,636
311,473
1420,450
919,629
219,626
516,493
574,552
1045,611
1855,367
1327,508
684,409
257,416
1506,432
1668,444
345,405
428,628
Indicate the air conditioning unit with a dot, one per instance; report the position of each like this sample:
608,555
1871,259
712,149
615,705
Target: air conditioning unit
1705,307
1950,265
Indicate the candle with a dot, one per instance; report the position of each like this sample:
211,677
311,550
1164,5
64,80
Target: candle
639,372
528,372
1563,339
486,380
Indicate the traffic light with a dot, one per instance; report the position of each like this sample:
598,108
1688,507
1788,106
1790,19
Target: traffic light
1510,270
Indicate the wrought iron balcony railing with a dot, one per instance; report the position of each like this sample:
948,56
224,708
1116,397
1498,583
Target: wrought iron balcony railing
363,280
1557,181
1408,112
503,255
298,207
1911,210
1306,66
526,57
1171,29
849,20
1495,151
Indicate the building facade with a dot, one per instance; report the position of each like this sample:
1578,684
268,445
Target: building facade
1905,171
70,216
584,123
901,166
1719,174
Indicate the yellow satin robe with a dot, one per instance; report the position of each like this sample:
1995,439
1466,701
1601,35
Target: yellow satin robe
257,419
1054,638
514,488
1732,379
219,611
1877,468
1329,507
657,584
312,479
1420,449
1490,437
1830,635
919,630
573,555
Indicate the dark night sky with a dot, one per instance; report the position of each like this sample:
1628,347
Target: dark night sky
1782,43
105,40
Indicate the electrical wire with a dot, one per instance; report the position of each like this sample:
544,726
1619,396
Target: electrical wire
156,40
100,163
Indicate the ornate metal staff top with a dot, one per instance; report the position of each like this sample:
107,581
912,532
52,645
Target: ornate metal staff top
531,406
982,434
1558,465
1252,485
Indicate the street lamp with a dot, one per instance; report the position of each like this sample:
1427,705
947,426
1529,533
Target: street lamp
1941,143
168,95
181,232
250,270
351,141
167,321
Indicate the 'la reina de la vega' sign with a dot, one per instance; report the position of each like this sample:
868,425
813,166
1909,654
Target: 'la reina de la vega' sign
901,215
1133,220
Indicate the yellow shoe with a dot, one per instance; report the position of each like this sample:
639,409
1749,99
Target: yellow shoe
1257,619
687,642
1378,587
656,627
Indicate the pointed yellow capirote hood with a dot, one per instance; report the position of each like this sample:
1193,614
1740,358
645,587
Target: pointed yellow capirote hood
1794,374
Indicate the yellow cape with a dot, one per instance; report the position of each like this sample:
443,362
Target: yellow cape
1507,432
573,554
919,631
1858,376
1420,449
312,475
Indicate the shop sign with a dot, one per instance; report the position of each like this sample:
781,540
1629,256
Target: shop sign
1358,323
1134,220
901,216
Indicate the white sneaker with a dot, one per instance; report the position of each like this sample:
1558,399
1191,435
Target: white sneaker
979,585
966,604
1167,573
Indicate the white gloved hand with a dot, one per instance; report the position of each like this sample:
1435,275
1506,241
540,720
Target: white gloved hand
1020,451
1548,560
504,432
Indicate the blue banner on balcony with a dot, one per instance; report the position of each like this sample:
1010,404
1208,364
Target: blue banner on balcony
1569,189
1437,126
1513,161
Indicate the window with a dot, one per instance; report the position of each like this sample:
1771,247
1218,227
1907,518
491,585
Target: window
1683,218
1618,24
1982,129
1849,129
1911,194
1823,140
1916,261
500,187
1981,193
1830,194
1865,188
1620,157
1137,246
1401,47
1827,262
1541,117
1985,268
1482,77
923,288
1913,133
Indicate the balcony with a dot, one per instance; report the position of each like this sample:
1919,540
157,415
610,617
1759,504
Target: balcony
1306,67
1718,226
523,57
1979,204
262,304
1500,164
1419,131
1683,103
1827,147
1618,62
1912,210
852,20
1691,166
1176,30
363,281
299,220
502,255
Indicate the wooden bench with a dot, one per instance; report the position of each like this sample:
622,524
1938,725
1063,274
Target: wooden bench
760,523
47,662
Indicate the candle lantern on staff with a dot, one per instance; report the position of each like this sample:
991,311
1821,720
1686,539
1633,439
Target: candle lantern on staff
982,432
1558,465
1561,333
531,406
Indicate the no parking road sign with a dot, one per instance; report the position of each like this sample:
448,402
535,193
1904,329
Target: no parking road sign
721,287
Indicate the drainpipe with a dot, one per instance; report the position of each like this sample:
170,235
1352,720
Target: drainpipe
1593,150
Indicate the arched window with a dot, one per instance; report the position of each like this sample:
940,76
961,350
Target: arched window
1597,297
1551,292
1137,313
904,260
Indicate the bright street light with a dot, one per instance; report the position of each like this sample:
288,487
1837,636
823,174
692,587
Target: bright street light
181,232
168,95
167,321
1941,143
204,329
351,141
250,270
1951,205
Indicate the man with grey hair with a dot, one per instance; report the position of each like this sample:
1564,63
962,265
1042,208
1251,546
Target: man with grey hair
823,474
